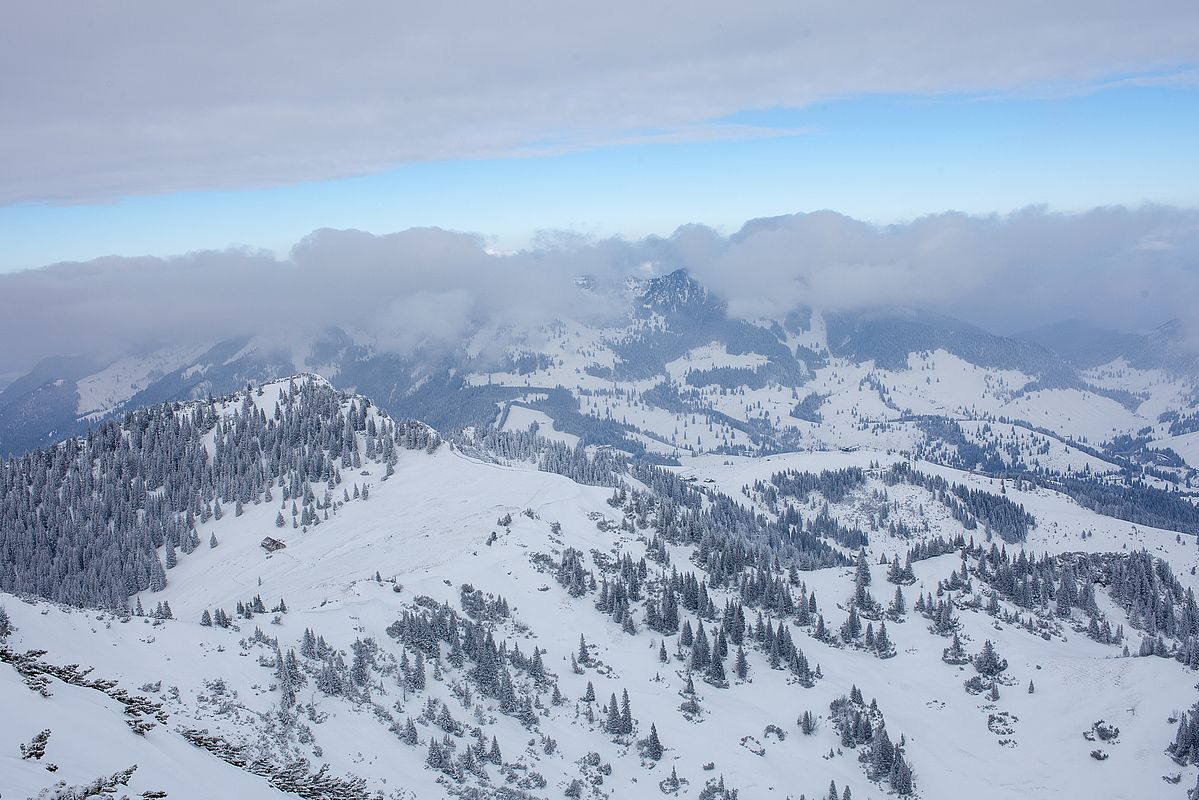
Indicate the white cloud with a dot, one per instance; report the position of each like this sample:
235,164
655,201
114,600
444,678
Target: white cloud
119,98
1006,273
434,288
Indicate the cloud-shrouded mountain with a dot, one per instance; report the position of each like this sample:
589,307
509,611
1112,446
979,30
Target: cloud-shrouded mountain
435,288
663,346
1087,346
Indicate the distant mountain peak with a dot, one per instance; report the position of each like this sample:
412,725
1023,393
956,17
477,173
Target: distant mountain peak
678,292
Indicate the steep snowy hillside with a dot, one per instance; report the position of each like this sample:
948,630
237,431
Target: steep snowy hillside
339,605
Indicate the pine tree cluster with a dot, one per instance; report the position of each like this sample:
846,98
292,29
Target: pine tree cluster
83,522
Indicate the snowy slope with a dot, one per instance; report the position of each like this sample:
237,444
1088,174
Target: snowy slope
434,525
723,404
90,740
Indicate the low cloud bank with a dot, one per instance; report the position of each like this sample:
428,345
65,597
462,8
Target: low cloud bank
1122,268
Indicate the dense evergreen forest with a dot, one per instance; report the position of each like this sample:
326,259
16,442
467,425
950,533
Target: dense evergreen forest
93,520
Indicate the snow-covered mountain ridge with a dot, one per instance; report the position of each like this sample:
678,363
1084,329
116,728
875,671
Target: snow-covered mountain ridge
457,618
811,379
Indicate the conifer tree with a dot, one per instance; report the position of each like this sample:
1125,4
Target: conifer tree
613,722
493,755
653,746
716,674
988,662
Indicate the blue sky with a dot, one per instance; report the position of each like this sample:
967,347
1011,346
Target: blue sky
877,157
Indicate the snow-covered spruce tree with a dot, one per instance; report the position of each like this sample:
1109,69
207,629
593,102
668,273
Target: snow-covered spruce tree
715,674
955,653
851,629
493,755
988,662
901,778
883,646
584,657
1185,747
882,754
651,746
626,713
36,747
